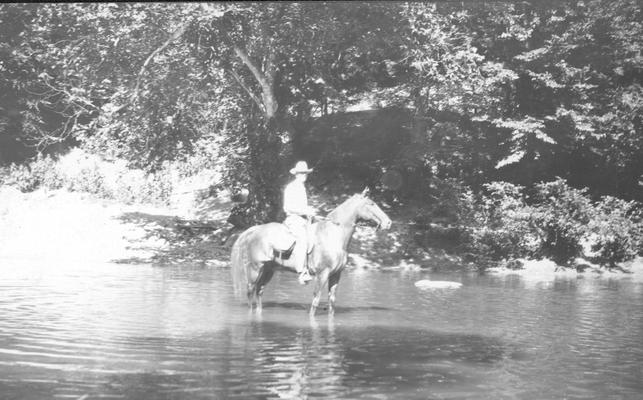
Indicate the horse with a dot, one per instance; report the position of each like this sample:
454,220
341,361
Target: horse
261,249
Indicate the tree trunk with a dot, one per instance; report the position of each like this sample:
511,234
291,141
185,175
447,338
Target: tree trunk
267,152
266,163
266,80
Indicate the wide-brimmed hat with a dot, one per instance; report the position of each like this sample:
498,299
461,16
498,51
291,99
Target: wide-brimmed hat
301,168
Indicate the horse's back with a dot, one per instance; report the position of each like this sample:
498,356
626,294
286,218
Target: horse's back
280,236
276,234
261,240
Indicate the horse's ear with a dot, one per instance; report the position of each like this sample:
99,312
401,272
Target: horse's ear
366,191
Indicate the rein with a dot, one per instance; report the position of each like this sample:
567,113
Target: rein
340,224
333,222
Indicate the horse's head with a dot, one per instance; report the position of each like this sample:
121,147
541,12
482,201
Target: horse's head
369,211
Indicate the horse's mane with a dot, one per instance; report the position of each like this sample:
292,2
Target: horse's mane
338,214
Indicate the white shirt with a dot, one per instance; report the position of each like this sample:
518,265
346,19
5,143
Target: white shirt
295,199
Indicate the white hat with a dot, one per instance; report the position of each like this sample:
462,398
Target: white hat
301,168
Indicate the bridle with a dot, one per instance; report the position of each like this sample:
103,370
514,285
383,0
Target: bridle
371,215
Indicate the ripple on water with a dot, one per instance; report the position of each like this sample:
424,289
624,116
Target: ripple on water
145,333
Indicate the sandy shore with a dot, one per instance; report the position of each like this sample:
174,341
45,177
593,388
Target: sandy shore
58,227
70,227
65,227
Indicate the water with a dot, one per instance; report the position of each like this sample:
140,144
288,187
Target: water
143,332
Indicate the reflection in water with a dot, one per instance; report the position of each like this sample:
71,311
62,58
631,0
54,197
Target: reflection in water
110,331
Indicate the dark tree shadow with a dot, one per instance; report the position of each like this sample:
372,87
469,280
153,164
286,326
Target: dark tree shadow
193,241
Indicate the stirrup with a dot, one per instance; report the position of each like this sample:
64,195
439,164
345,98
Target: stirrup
304,277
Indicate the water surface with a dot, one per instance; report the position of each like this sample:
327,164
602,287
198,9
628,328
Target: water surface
145,332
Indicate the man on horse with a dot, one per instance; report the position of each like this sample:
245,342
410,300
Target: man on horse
298,217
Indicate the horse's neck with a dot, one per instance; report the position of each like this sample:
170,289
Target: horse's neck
345,216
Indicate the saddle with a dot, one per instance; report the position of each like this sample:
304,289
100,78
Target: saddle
283,254
282,241
284,245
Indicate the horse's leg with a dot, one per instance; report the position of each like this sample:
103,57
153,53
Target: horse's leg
254,274
251,295
320,280
333,281
266,275
316,297
267,270
259,304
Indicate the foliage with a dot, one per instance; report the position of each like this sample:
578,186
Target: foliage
41,172
559,222
616,231
519,92
577,96
89,179
21,177
79,172
500,228
290,60
566,218
451,73
551,87
562,214
487,227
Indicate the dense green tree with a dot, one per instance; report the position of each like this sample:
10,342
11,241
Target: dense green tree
574,110
292,60
519,91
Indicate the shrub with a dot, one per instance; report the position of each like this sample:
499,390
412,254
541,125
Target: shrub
157,188
487,227
123,190
135,186
46,170
21,177
616,231
42,171
452,201
500,228
498,224
444,225
562,215
89,179
4,175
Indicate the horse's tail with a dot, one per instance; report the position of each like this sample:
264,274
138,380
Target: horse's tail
239,266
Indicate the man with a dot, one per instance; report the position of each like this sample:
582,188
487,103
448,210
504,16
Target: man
298,215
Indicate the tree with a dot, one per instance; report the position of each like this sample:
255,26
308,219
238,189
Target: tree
554,88
76,64
280,54
497,89
123,83
575,109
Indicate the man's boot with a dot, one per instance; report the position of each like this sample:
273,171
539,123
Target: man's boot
304,276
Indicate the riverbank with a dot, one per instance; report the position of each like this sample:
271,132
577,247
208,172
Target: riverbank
55,226
59,226
547,270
